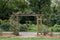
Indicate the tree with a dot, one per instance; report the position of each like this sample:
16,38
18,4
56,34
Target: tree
41,7
9,6
4,10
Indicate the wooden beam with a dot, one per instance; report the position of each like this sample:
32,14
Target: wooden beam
29,14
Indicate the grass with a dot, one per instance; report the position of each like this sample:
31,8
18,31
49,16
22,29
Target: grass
29,38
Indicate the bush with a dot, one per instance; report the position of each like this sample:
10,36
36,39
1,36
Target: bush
27,27
56,28
32,28
23,27
5,26
45,29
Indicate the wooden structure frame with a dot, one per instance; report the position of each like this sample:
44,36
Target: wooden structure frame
38,16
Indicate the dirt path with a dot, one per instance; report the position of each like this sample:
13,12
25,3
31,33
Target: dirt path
28,35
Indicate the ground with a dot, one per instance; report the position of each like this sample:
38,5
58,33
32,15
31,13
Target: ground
29,38
28,35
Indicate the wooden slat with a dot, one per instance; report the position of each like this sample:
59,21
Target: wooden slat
28,14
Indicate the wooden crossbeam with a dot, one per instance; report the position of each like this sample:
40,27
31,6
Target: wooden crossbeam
28,14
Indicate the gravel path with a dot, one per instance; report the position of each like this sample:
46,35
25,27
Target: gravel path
28,34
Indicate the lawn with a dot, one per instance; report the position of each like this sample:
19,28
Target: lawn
29,38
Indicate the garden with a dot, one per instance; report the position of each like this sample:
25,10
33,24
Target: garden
29,20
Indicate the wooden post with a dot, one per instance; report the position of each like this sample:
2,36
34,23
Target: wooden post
16,24
14,21
39,24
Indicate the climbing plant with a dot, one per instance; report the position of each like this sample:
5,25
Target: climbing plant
14,22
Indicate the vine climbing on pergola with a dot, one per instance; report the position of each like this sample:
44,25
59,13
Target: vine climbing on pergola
14,20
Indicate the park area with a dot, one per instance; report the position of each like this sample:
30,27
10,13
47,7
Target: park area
29,19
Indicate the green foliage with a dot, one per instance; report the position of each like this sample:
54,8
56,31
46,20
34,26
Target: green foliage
18,5
9,6
56,28
44,29
23,27
5,26
40,6
49,9
27,27
32,28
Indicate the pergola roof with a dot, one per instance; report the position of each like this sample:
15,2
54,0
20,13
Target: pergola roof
28,14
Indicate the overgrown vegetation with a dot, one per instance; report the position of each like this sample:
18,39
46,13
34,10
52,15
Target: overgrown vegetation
49,8
5,26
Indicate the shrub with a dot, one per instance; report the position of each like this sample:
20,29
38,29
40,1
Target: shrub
23,27
32,28
45,29
5,26
56,28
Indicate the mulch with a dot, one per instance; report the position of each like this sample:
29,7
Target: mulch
7,35
48,36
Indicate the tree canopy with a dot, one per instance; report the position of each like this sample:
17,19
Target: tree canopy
50,8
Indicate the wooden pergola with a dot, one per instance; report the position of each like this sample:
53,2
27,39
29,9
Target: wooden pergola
38,16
